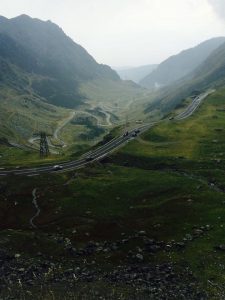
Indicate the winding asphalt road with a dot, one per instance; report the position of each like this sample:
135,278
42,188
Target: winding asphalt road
104,150
96,155
61,126
56,133
193,106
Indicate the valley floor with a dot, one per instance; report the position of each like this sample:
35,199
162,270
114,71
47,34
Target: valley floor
145,223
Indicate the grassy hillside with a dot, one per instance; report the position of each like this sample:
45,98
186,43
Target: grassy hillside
45,76
156,207
23,114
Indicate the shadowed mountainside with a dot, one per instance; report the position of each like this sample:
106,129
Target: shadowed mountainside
178,66
42,48
210,74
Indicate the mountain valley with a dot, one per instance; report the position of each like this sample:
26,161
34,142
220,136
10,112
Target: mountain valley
128,203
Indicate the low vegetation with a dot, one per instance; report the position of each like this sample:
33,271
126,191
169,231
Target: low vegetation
145,222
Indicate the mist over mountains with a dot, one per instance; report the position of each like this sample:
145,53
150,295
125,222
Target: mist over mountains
56,63
178,66
210,74
39,61
43,73
135,74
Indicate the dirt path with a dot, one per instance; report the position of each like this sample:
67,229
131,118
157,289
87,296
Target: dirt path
38,210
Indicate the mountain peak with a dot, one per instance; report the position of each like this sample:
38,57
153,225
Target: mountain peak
23,17
41,47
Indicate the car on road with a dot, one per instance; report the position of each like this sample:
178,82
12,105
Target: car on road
137,131
57,168
134,134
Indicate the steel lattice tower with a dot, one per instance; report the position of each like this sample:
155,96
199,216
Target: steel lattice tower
44,149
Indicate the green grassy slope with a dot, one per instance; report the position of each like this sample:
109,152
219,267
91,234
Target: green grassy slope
168,184
23,114
193,150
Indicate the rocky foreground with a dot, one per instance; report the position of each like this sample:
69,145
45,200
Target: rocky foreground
93,271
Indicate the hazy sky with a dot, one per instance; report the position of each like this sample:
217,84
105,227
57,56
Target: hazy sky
128,32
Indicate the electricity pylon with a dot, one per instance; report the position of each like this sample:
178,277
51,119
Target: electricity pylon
44,148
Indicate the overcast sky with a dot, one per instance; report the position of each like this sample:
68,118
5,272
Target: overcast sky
128,32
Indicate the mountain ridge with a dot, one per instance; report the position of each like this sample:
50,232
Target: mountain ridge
61,62
210,74
44,73
178,66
